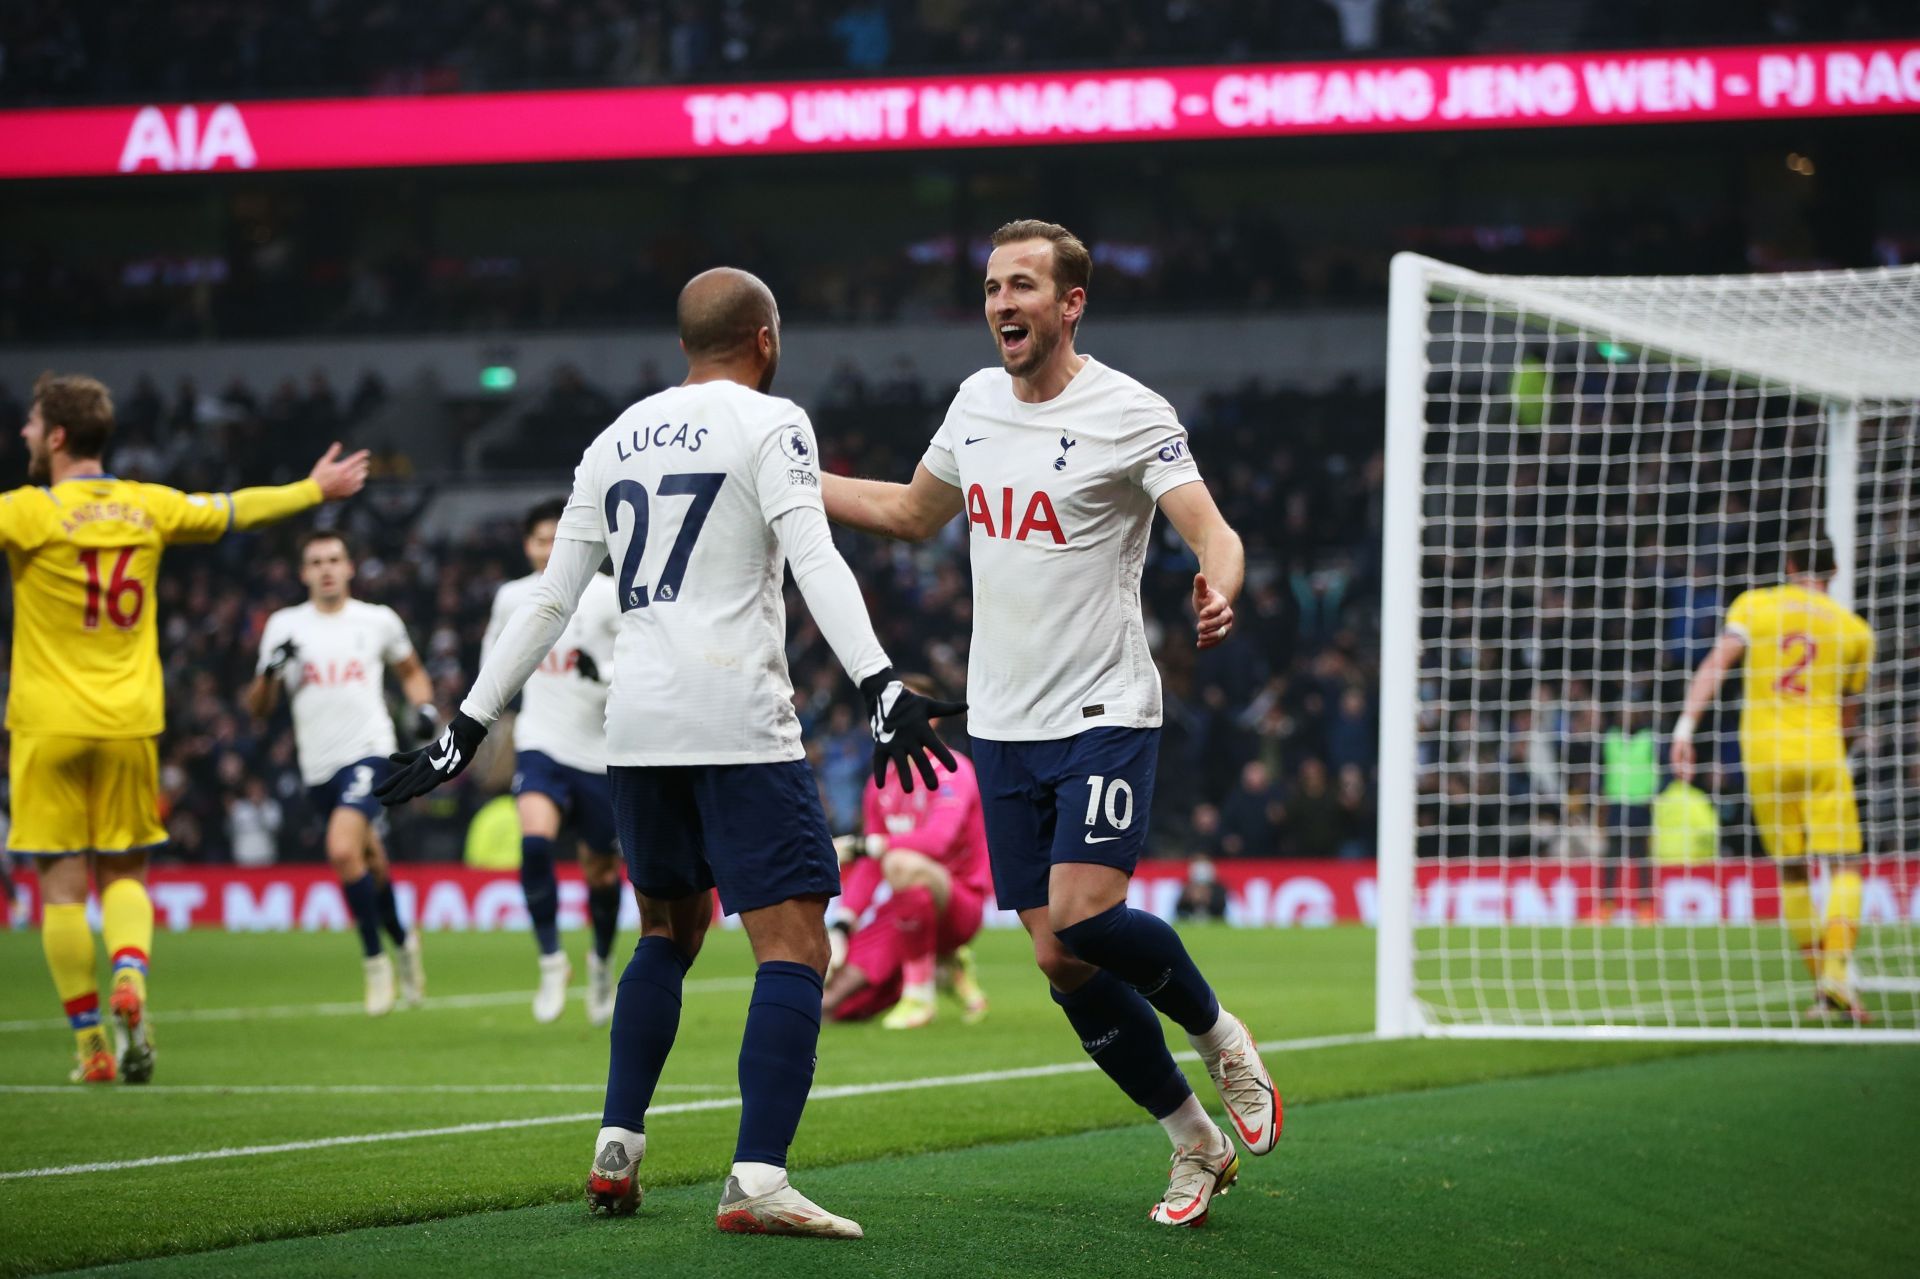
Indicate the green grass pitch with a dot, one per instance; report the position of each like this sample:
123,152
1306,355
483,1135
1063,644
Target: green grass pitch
1005,1156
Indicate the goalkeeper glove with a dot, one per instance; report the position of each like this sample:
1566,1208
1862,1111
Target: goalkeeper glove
283,656
588,668
901,721
419,771
425,721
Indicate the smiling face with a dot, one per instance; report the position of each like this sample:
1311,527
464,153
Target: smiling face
1031,321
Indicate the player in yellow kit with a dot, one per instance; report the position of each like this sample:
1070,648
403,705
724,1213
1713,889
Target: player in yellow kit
87,699
1807,659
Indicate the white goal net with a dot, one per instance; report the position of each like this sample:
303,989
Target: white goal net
1584,475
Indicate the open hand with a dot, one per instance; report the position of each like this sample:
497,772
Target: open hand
339,476
1213,615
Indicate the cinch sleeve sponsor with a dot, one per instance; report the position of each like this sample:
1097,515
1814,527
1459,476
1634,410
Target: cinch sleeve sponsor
1153,449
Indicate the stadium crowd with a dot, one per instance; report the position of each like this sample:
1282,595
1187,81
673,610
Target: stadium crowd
286,276
1269,740
119,49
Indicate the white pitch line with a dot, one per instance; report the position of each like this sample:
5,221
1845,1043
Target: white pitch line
328,1090
432,1003
672,1108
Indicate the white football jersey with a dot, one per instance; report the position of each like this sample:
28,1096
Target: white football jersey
682,490
336,684
563,714
1059,502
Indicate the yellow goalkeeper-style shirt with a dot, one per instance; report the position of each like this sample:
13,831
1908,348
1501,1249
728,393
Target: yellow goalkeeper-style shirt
85,554
1805,654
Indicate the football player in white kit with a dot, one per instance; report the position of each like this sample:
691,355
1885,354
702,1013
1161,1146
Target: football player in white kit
332,654
1058,463
560,772
701,494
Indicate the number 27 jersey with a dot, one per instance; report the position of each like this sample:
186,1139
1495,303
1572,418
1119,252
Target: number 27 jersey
682,490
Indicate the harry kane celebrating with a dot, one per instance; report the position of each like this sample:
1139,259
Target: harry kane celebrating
331,654
1058,462
700,494
560,771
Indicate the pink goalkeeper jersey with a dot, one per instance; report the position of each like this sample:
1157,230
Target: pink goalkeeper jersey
946,825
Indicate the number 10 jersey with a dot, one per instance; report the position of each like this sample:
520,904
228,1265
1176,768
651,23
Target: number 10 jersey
682,490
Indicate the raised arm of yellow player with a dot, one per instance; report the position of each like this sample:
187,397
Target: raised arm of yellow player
202,517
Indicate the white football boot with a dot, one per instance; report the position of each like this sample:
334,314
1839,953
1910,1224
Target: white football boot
781,1211
413,971
613,1184
379,971
599,989
1198,1175
1245,1087
550,999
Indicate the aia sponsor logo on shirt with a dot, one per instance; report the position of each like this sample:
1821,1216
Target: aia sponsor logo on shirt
559,663
329,674
1037,517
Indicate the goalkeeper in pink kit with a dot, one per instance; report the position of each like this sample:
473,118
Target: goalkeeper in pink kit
930,849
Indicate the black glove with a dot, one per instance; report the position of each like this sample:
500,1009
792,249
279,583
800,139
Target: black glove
417,772
588,668
900,720
283,656
426,721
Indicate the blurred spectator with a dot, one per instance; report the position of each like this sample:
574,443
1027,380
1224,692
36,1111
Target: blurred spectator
1205,839
1253,817
1359,817
253,825
1203,896
1316,826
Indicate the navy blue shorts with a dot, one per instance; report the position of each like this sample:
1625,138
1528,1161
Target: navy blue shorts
584,799
352,787
1042,806
755,831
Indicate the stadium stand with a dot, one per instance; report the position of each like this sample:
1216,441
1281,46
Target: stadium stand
57,52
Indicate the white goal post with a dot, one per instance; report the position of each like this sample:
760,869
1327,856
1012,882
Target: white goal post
1583,474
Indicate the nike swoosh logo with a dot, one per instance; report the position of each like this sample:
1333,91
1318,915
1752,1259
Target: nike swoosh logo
1251,1138
1101,839
440,764
975,439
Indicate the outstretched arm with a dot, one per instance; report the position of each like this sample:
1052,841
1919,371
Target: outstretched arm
532,632
528,638
907,512
901,719
833,596
1223,561
205,517
1701,691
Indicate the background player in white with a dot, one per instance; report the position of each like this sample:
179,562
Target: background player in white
331,654
1058,462
700,494
560,772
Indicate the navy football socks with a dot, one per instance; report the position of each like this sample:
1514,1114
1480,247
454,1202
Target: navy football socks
776,1060
542,890
1121,1033
1143,951
603,908
390,914
363,899
646,1017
